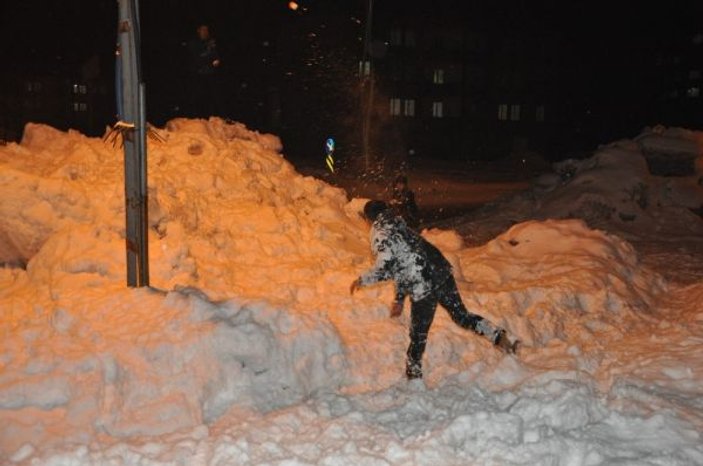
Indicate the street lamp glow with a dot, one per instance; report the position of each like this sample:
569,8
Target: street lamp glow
293,5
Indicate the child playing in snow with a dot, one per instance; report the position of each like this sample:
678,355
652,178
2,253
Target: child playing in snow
421,271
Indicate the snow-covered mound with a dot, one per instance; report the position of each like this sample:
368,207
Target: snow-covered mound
220,197
250,311
672,150
563,280
616,188
229,217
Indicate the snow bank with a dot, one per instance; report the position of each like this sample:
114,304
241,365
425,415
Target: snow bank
675,151
142,363
615,185
614,190
249,345
554,419
558,280
229,218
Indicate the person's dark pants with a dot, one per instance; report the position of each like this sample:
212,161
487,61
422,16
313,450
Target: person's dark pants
205,96
422,314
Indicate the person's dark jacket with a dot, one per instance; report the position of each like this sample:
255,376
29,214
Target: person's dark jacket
202,55
403,202
416,266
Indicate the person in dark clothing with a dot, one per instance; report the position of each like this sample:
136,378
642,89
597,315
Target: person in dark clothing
204,62
403,202
421,271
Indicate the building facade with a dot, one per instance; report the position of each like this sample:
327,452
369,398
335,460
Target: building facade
447,90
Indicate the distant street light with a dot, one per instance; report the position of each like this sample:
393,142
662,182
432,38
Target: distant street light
293,6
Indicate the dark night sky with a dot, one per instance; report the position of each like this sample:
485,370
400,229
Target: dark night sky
601,47
34,32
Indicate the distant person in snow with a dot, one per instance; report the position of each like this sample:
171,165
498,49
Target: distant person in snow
422,272
403,202
204,62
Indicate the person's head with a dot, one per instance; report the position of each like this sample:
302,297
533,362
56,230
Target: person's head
373,209
203,31
401,182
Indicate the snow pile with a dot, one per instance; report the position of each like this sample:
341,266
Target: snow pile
615,188
555,417
90,367
217,201
258,354
563,280
672,150
230,218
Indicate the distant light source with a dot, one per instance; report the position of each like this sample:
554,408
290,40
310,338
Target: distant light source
293,5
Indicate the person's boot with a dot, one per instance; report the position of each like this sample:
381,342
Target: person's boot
503,342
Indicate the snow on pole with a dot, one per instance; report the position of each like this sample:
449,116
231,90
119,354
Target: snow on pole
132,119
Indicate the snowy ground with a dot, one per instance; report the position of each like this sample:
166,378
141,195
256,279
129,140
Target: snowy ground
440,192
249,349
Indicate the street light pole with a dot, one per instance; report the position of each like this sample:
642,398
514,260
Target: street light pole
131,109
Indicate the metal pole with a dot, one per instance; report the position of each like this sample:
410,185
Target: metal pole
143,238
132,113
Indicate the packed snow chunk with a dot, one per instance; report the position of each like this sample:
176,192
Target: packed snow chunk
560,279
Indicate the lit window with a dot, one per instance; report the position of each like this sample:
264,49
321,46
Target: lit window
79,106
503,112
396,36
364,68
437,109
395,107
539,113
514,113
80,89
438,76
693,92
409,107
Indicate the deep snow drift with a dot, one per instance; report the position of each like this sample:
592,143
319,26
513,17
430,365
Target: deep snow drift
249,349
613,189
